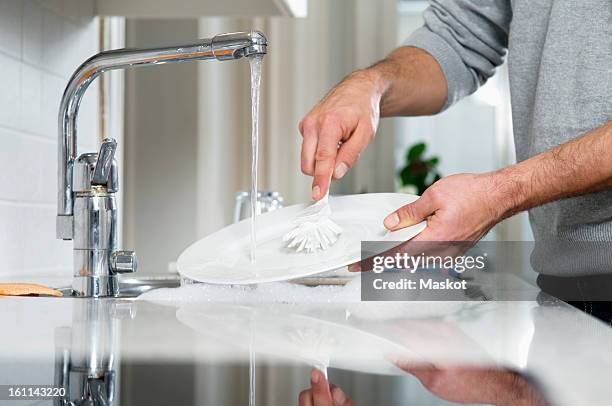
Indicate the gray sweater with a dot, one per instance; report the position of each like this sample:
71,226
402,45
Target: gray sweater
560,66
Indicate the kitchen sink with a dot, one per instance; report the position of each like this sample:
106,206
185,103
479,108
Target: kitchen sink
131,288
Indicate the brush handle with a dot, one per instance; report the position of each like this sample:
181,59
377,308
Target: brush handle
323,200
322,368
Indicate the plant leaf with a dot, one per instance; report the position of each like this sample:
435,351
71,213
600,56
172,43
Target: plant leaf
416,151
434,161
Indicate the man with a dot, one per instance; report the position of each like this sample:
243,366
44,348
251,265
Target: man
560,67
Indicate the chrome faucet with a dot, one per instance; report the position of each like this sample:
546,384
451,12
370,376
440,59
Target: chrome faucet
88,353
86,209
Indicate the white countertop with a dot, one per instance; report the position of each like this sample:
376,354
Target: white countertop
566,351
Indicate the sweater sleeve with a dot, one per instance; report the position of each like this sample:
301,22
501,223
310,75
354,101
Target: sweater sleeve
468,38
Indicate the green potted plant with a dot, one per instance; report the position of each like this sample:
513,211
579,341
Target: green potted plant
419,172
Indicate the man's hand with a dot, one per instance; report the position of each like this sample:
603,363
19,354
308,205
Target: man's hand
498,387
461,207
335,132
464,207
321,393
338,129
457,208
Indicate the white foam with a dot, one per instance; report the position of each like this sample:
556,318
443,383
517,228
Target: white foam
274,292
291,293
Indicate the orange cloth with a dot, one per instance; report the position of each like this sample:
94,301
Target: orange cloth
24,289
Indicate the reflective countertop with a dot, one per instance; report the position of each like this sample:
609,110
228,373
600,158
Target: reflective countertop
561,350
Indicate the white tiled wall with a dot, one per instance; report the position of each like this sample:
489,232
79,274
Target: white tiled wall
41,44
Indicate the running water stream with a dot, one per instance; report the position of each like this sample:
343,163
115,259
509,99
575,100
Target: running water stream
252,370
255,63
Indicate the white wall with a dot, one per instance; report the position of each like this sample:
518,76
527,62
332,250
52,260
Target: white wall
41,43
161,124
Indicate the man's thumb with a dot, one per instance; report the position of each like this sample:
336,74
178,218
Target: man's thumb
410,214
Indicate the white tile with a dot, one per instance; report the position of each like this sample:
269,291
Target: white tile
10,94
32,32
71,9
12,185
78,11
27,241
57,6
86,9
45,250
71,37
23,171
53,45
47,172
52,37
10,27
31,100
52,90
11,238
82,39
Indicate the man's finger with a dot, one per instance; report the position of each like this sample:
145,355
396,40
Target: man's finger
339,397
350,151
330,134
308,128
410,214
321,394
305,398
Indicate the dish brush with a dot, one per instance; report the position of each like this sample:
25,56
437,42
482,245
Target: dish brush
313,228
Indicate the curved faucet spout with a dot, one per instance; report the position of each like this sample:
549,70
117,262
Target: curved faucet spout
228,46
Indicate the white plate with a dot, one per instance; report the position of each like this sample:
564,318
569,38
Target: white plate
285,334
224,256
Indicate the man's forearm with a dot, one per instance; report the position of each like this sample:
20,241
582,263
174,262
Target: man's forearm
577,167
410,83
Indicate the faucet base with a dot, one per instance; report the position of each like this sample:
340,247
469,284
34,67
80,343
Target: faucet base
95,286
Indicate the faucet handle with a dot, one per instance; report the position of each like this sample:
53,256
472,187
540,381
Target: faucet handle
104,163
123,262
97,169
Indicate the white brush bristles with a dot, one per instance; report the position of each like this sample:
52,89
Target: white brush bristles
314,230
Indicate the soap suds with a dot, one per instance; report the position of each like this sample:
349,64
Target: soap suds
348,295
274,292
